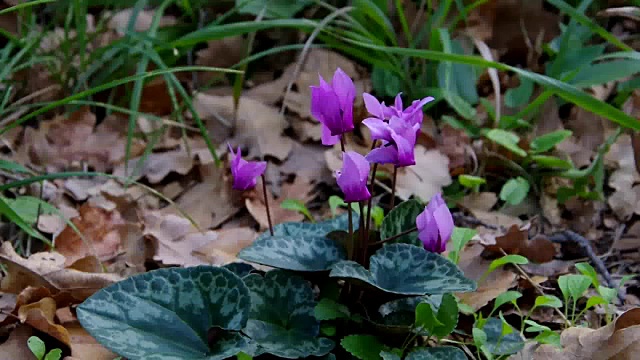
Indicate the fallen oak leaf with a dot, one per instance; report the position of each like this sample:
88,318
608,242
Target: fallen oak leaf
40,315
516,241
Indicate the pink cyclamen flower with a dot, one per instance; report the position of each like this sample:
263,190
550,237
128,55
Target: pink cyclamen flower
352,178
332,106
245,173
435,225
412,114
398,141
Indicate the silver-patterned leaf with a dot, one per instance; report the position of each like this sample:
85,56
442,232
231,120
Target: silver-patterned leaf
402,218
498,344
437,353
318,229
299,252
407,270
281,320
167,313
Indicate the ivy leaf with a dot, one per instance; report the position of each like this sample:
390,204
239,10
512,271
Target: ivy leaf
406,270
281,321
402,218
437,353
328,309
168,313
363,347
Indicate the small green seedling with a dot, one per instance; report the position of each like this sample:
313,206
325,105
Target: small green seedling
38,348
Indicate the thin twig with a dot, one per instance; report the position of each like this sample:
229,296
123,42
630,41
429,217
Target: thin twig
367,223
536,286
390,238
266,203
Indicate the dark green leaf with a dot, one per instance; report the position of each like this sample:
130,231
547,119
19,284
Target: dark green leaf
407,270
402,218
385,83
547,141
363,347
551,162
328,309
281,320
506,297
498,344
318,229
515,190
519,96
445,316
387,355
299,252
437,353
587,270
239,268
167,313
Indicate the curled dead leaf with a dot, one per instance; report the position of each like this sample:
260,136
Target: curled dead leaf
516,241
40,315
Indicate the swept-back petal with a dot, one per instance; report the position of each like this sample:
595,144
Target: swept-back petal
379,129
374,107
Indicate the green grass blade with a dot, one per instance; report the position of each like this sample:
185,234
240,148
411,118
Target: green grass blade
584,20
7,211
24,5
110,85
566,91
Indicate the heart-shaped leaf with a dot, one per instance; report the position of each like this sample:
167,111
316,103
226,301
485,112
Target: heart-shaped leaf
407,270
167,314
318,229
402,218
437,353
299,253
281,321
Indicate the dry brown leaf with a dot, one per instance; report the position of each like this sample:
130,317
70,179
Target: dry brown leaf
453,144
101,230
65,141
158,165
474,266
210,202
227,244
46,269
426,178
619,340
258,126
175,239
15,348
222,53
300,189
625,201
516,241
7,304
482,201
308,161
40,315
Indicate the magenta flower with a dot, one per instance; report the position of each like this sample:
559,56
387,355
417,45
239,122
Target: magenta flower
398,141
413,114
352,178
435,225
245,173
332,106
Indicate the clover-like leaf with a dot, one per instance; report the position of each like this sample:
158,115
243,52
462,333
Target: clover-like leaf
281,321
402,218
499,344
437,353
299,252
167,314
407,270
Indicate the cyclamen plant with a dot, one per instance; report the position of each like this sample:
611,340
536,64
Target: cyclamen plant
381,291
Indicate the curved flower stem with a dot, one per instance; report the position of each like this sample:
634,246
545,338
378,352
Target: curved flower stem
364,237
393,188
349,210
266,203
342,142
367,223
394,236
